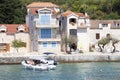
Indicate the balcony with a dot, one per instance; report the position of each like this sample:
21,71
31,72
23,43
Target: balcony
83,26
53,24
53,38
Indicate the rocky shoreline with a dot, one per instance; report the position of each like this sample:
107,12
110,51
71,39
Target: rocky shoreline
67,58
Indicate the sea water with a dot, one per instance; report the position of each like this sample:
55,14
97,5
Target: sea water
64,71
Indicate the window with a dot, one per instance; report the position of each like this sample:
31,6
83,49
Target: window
73,31
72,21
62,18
32,17
104,25
2,31
21,28
45,33
97,36
53,44
44,44
44,19
117,24
59,23
3,28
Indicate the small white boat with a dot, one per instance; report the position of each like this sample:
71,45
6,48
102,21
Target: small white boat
41,63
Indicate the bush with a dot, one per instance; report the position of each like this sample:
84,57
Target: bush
81,51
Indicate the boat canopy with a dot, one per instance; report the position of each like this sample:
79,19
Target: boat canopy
37,57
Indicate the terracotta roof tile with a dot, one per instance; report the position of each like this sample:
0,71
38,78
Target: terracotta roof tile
34,10
68,12
95,23
42,4
12,28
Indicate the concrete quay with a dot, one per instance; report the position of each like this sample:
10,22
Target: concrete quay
14,58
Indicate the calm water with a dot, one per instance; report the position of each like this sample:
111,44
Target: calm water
71,71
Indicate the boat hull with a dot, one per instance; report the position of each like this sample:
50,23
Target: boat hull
38,66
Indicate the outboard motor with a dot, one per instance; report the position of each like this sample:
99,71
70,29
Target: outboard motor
55,62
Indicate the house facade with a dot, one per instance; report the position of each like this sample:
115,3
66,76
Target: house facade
86,32
101,28
11,32
44,27
75,27
49,30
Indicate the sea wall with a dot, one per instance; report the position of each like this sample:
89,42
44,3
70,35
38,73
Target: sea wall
67,58
87,58
11,60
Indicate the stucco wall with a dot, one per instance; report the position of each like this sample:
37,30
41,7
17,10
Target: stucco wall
49,48
9,38
83,40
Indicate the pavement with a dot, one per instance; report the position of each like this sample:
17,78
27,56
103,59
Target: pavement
56,54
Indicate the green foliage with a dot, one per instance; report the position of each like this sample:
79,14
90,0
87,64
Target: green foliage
113,16
81,51
107,40
18,44
12,11
104,41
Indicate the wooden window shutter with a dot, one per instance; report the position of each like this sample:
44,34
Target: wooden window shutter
97,36
7,47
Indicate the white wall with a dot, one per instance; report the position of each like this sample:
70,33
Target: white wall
25,38
70,26
83,40
49,48
115,33
9,38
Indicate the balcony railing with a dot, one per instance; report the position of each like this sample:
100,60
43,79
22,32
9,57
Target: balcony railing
53,38
53,23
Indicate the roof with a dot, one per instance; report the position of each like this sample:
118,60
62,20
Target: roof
35,6
35,10
68,12
95,23
12,28
42,4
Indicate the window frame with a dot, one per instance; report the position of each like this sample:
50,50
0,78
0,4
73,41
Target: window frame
97,36
44,19
44,44
45,33
104,25
53,44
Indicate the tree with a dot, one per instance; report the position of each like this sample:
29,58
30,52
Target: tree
72,42
64,43
114,41
12,11
18,44
113,15
116,6
102,43
106,40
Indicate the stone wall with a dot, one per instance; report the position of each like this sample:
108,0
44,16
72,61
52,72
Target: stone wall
66,58
12,60
87,58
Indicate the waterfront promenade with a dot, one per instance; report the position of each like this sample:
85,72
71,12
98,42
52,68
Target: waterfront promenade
6,58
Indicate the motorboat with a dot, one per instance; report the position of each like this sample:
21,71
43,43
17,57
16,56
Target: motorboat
44,59
41,63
